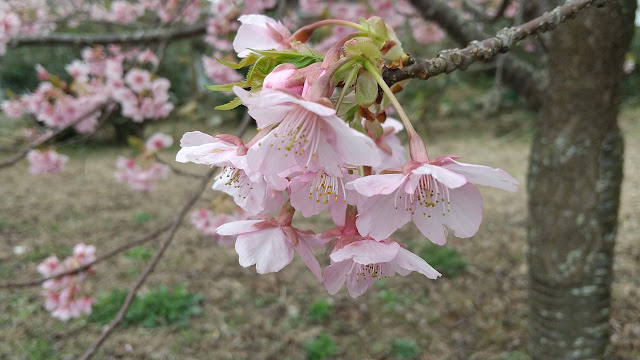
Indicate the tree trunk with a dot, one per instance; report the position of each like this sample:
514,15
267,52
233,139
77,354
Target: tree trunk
575,173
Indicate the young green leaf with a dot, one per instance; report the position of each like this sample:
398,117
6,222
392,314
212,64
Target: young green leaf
366,89
230,105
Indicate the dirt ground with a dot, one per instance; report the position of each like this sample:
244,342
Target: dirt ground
480,314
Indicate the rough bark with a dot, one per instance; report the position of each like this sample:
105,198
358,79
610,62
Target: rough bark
575,173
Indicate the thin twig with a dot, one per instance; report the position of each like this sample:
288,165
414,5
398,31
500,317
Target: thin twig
138,37
148,237
460,59
21,154
159,253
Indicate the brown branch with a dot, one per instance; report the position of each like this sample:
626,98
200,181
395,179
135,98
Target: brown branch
43,139
518,74
148,237
137,37
460,59
158,254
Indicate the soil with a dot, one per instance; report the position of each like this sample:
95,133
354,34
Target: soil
480,314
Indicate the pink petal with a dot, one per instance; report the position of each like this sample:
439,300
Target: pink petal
254,34
412,262
267,107
484,175
267,159
367,252
449,178
463,218
195,138
466,211
336,274
269,249
352,146
377,184
237,227
431,227
304,250
381,218
356,285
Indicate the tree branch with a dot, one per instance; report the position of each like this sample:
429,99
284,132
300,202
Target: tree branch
159,253
137,37
43,139
148,237
517,76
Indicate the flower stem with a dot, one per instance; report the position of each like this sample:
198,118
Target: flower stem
347,84
416,145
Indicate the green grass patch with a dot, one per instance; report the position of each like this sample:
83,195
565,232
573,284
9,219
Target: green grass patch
138,253
320,310
37,349
390,297
402,348
322,347
159,307
142,217
446,260
40,253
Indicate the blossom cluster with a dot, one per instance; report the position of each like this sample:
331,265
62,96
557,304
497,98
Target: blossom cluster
101,76
39,17
46,162
143,171
64,296
225,21
325,144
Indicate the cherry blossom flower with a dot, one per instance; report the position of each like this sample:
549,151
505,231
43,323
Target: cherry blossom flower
138,80
63,295
434,194
269,244
139,177
46,162
259,32
252,191
158,141
309,134
360,263
313,192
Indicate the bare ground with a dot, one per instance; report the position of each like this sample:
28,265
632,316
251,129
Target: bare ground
480,314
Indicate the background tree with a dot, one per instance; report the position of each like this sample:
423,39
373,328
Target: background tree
575,176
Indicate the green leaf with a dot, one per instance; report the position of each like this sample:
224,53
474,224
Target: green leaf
225,87
252,58
377,27
366,89
363,47
230,105
290,56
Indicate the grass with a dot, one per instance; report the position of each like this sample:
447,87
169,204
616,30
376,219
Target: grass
320,310
446,260
322,347
138,253
159,307
403,348
452,315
